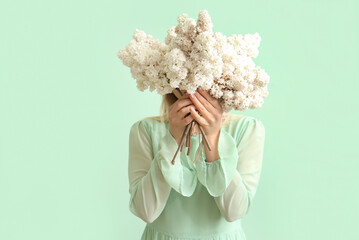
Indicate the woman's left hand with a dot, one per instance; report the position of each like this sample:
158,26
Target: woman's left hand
210,112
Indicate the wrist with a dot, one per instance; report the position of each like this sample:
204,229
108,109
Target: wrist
213,137
175,137
213,140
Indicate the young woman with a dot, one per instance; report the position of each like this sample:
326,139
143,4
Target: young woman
202,200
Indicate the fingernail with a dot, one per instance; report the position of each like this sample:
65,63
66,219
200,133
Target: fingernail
200,88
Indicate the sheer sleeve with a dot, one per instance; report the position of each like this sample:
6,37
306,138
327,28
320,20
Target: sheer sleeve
232,180
217,175
152,177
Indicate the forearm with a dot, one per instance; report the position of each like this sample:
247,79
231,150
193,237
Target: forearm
235,201
213,155
150,195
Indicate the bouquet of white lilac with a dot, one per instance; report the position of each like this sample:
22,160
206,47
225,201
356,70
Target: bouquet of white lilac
192,56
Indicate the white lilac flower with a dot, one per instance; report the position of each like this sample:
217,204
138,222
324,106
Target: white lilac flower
192,56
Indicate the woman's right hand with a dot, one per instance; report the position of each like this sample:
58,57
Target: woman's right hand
179,117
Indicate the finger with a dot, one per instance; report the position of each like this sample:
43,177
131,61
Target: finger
188,119
178,100
198,118
184,111
181,103
213,101
203,111
205,103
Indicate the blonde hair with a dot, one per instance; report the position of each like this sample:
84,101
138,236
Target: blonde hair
167,100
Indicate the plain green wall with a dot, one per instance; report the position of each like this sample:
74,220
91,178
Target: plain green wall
67,103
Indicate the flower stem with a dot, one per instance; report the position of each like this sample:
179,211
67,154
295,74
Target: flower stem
186,136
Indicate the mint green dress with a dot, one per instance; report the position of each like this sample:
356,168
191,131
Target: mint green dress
204,200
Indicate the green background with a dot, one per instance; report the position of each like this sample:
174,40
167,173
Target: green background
67,103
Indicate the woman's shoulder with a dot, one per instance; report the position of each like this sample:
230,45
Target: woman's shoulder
237,124
152,121
230,120
148,120
236,119
151,125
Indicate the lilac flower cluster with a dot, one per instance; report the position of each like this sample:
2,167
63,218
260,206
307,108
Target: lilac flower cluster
192,56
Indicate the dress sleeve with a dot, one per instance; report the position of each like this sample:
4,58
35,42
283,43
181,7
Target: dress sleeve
181,177
151,177
236,201
217,175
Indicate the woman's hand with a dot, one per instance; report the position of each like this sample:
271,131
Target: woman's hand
210,118
177,116
210,112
